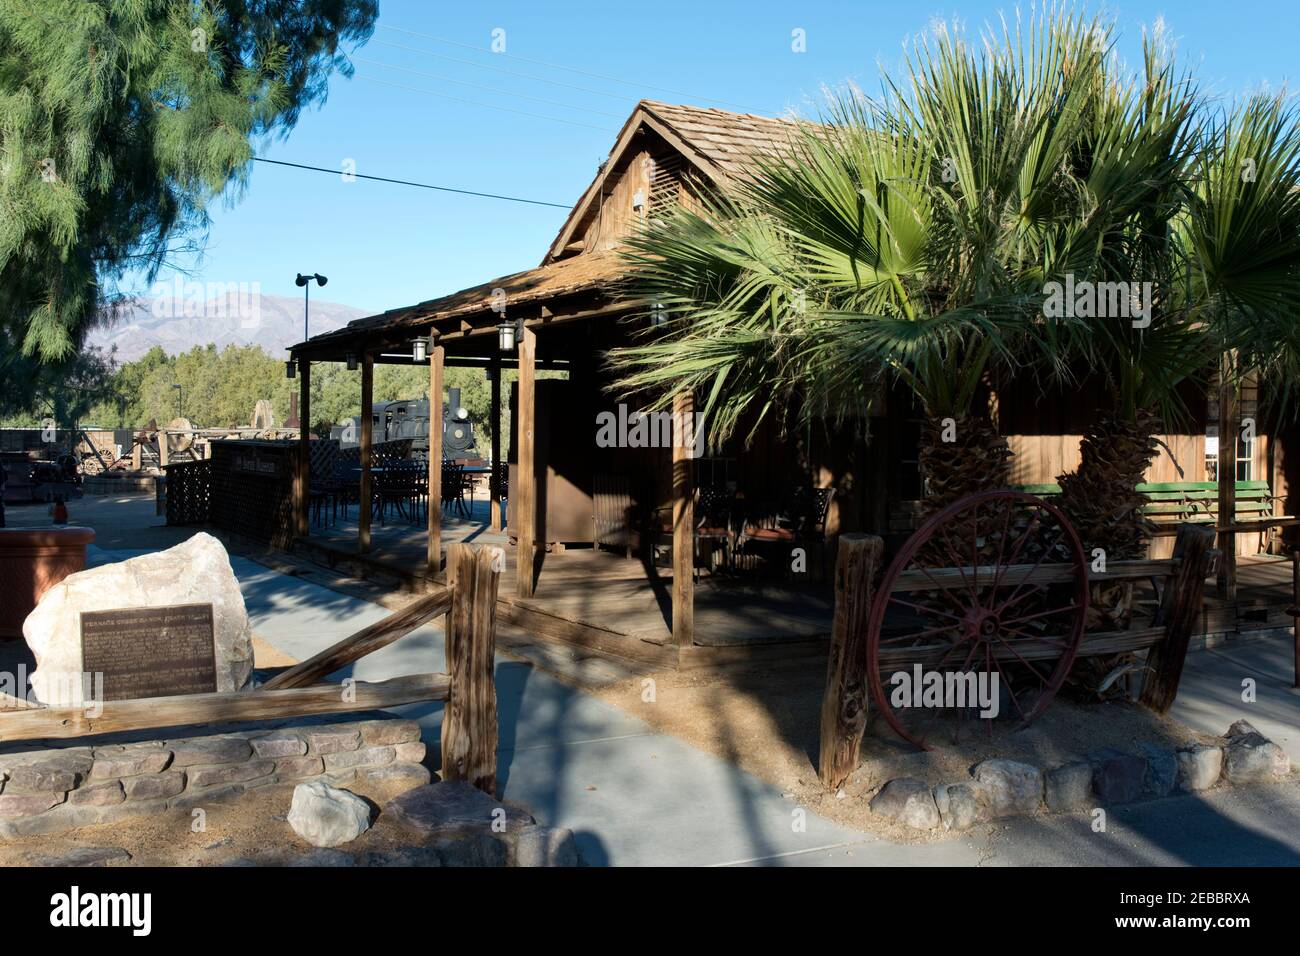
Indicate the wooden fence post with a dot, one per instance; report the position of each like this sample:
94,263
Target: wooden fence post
469,722
1179,613
844,703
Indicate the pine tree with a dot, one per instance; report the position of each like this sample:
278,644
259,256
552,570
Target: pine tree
120,121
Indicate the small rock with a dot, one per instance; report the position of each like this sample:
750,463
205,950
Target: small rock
1250,758
471,849
542,846
1116,776
28,805
1199,767
960,805
324,816
907,801
364,756
389,732
452,807
209,750
42,777
409,773
1162,770
86,856
97,795
290,768
410,752
1013,788
333,740
1069,787
127,763
279,744
228,773
155,786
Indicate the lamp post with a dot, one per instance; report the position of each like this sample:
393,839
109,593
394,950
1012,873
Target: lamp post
291,367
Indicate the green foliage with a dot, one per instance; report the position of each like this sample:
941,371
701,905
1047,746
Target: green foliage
121,119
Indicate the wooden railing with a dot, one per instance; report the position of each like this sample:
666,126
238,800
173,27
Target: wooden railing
469,724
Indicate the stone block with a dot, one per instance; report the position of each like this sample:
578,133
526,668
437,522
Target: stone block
1013,788
222,774
907,801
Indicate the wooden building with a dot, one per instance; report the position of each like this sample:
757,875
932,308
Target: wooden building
570,309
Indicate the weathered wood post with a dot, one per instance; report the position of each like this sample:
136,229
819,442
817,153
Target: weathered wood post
683,522
302,479
525,490
433,559
1194,549
494,478
365,505
469,722
844,703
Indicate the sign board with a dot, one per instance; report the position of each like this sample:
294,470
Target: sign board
150,651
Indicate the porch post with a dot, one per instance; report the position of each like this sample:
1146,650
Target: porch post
683,525
302,486
494,477
365,505
525,492
1227,544
434,509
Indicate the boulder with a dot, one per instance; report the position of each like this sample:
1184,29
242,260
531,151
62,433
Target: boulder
961,805
542,846
1252,758
194,572
1116,776
451,809
1014,788
1069,787
324,816
1199,767
1162,770
907,801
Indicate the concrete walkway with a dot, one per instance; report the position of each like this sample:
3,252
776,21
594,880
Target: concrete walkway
637,797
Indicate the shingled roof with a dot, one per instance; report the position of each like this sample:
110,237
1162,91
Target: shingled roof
722,145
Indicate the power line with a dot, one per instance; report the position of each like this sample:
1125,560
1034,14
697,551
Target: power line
485,106
487,89
407,182
560,66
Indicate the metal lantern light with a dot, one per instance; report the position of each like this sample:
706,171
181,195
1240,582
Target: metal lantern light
420,349
658,315
506,335
290,369
352,361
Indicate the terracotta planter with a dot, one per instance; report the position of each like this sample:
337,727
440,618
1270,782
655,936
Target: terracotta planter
33,560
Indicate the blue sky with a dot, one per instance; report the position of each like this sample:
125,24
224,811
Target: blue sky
385,245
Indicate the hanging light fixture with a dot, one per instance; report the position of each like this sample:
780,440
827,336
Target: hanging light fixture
352,361
658,315
507,334
419,349
290,369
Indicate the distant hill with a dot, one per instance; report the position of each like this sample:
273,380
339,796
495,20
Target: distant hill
236,317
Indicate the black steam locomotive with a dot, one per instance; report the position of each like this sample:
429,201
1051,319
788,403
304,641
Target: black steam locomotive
409,418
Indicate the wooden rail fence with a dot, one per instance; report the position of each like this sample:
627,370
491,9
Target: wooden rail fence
469,725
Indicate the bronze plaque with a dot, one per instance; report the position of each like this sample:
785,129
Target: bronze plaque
150,651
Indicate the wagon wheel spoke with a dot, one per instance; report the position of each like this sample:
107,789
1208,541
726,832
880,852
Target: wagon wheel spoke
923,608
1034,617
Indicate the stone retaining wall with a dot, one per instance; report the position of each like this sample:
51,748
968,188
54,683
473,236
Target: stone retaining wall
42,791
1001,788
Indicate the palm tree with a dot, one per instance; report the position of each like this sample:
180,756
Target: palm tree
904,240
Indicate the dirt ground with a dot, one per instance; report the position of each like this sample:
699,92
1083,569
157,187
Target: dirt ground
766,721
252,829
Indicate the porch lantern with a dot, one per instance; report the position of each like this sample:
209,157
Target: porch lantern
290,369
508,334
419,349
658,315
352,361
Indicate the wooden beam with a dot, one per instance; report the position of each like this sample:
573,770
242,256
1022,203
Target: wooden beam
1180,611
683,524
469,722
844,702
525,490
433,558
219,708
494,477
365,641
365,505
1227,545
302,479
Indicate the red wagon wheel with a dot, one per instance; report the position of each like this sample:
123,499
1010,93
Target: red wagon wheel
996,584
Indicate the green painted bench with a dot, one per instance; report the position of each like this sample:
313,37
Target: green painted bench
1173,502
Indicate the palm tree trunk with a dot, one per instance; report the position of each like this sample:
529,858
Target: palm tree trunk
961,457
